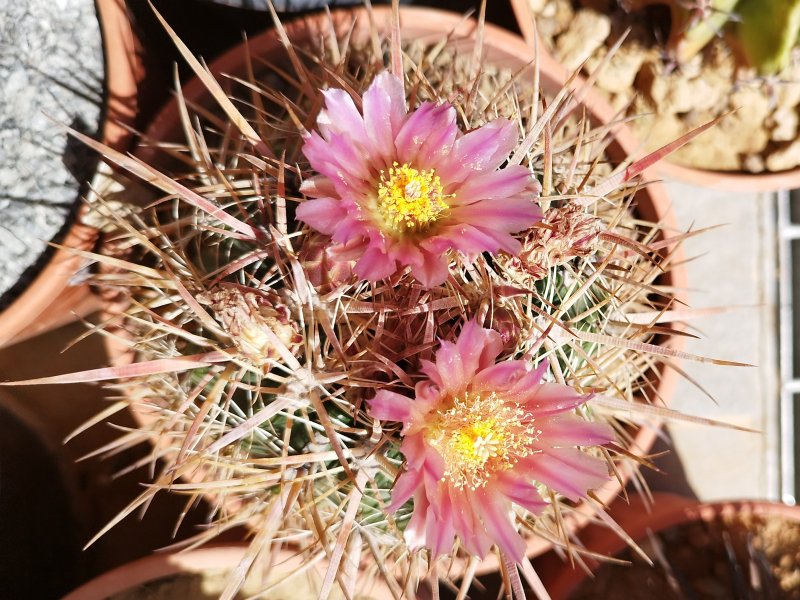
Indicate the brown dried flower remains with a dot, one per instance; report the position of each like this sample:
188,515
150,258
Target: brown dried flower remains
564,234
254,319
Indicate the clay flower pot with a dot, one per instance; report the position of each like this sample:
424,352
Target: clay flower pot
53,298
727,180
200,574
501,48
666,512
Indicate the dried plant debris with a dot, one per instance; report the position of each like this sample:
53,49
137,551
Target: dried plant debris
670,96
743,556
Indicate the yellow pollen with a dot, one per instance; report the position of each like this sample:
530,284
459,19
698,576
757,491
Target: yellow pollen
479,436
410,200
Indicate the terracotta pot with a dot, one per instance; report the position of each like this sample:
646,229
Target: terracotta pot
211,566
51,299
730,181
501,48
638,521
41,524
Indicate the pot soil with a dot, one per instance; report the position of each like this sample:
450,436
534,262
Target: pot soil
760,137
744,549
729,556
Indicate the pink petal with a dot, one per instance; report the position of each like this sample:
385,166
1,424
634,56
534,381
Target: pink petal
405,486
384,108
468,525
491,185
507,215
428,131
415,529
322,214
341,116
567,470
568,430
440,531
450,368
390,406
432,271
500,377
471,240
549,399
318,187
426,395
520,492
415,450
431,372
483,149
478,347
338,159
494,512
350,231
375,264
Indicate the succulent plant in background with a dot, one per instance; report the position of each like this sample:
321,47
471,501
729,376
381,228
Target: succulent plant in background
384,314
764,30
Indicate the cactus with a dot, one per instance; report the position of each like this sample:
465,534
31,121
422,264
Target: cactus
694,23
768,31
765,30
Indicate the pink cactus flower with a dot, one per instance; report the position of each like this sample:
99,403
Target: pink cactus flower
408,187
479,436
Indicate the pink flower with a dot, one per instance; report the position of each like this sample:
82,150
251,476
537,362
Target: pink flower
410,187
478,437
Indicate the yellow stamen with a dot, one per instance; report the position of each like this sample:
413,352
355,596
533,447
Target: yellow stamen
410,200
479,436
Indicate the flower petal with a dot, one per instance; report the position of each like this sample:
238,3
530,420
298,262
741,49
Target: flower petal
405,487
482,149
322,214
440,531
450,368
414,534
569,430
390,406
341,115
471,240
318,186
567,470
520,491
491,185
427,132
500,377
384,108
495,513
375,264
508,214
478,347
433,270
549,399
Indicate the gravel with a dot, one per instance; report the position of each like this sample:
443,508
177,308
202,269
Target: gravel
51,69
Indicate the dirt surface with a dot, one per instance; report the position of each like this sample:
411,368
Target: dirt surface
759,134
745,557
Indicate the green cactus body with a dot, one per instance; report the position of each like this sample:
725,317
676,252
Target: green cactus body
768,31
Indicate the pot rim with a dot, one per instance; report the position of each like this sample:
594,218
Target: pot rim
53,299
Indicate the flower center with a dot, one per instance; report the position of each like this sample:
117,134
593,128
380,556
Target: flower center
479,436
410,200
